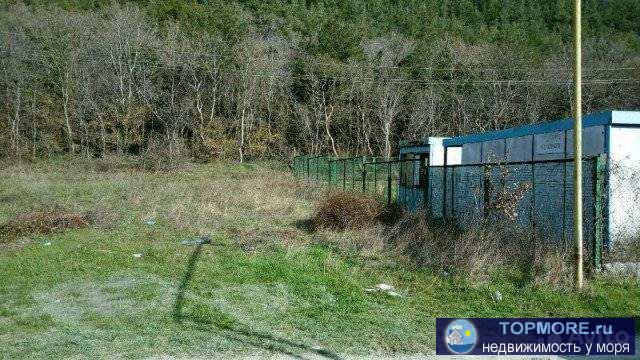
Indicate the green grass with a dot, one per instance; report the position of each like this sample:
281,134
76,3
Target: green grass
265,285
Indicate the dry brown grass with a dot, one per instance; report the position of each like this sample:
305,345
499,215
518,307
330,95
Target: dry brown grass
341,210
45,222
162,156
627,250
478,252
481,251
553,268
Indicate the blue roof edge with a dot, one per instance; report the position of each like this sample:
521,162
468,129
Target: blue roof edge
601,118
414,149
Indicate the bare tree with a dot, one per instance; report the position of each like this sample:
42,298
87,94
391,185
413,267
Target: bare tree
263,69
385,55
111,80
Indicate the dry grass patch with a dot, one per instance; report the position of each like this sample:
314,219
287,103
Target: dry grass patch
627,250
45,222
481,251
254,239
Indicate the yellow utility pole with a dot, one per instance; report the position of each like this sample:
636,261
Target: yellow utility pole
577,139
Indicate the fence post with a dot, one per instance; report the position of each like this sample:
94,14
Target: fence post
353,174
427,193
364,178
388,183
599,174
533,194
485,193
453,193
444,185
564,200
344,175
375,176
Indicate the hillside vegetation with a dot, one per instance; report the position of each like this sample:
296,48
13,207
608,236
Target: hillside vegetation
263,79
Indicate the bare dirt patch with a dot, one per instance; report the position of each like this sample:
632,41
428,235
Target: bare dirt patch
123,295
45,222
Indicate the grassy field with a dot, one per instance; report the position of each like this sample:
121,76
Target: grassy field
126,287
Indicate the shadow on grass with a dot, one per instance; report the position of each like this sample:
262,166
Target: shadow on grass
235,330
306,225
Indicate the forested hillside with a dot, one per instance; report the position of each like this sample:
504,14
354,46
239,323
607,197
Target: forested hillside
259,79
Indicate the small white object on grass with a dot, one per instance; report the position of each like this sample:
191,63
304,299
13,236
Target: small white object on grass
385,287
150,222
137,256
497,296
48,243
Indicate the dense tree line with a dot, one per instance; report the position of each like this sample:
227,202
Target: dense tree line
256,79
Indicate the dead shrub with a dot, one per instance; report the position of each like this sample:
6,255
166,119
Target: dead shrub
46,222
342,210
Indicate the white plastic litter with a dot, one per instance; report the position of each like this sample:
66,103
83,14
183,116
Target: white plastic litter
385,287
497,296
137,256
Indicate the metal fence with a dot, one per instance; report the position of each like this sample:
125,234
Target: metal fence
311,167
345,173
382,179
360,173
534,194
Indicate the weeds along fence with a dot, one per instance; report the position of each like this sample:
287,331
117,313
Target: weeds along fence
531,194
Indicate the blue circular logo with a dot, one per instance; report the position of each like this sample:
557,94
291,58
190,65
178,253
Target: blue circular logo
460,336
